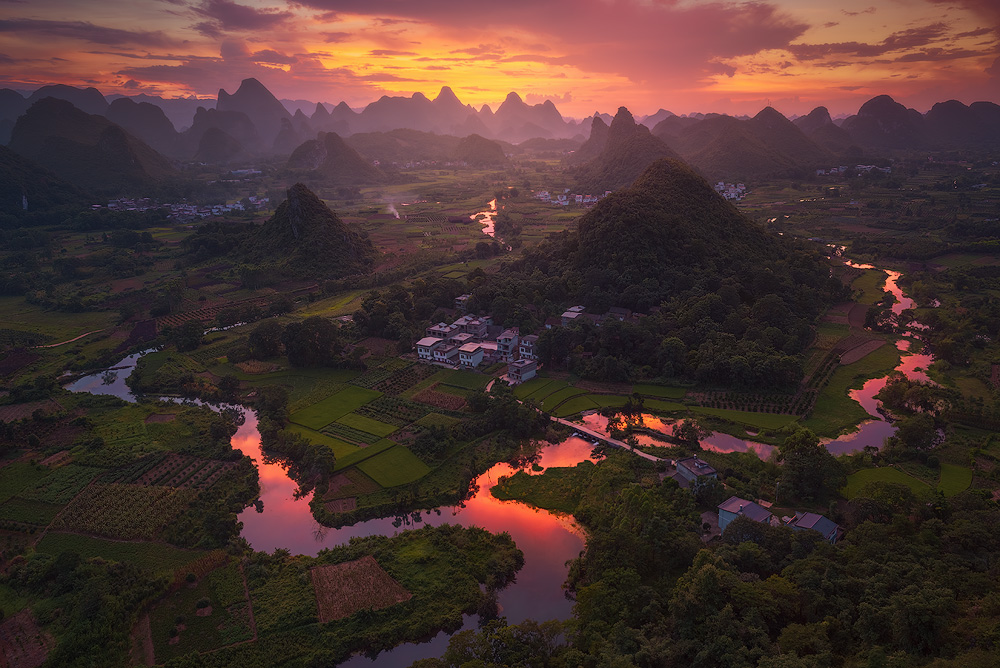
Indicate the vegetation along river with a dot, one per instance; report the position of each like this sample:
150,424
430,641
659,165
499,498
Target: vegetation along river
547,539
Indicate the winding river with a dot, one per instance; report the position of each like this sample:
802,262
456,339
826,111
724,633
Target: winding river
548,540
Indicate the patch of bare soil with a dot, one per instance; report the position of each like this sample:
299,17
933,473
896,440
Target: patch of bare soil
22,643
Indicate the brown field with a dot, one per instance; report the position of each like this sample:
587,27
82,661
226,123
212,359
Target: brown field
23,411
343,589
341,505
161,417
256,366
22,643
432,397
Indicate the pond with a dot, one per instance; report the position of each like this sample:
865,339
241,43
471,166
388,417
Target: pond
488,218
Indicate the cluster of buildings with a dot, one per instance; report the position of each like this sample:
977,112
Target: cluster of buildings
183,211
472,340
565,199
692,469
735,191
835,171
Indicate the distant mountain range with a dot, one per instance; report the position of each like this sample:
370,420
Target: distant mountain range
145,131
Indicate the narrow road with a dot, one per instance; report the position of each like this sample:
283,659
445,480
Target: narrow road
590,432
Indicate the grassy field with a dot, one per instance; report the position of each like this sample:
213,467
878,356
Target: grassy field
558,489
856,481
227,620
155,557
556,398
574,405
369,425
872,286
328,410
362,454
436,420
660,391
835,411
340,448
954,479
19,476
528,388
467,379
395,466
760,420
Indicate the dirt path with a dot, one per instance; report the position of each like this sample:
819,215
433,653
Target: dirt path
142,643
62,343
246,590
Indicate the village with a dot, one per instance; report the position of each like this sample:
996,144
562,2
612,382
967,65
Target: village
473,340
182,211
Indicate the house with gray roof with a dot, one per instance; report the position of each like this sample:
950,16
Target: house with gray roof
734,507
825,526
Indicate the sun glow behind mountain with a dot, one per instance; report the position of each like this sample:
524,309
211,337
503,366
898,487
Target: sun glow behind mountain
583,54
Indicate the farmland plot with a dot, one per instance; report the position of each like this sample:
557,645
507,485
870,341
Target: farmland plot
129,512
343,589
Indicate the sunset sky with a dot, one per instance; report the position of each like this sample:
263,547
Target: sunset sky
585,55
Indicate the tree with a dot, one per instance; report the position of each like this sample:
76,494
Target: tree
313,342
265,339
690,432
809,472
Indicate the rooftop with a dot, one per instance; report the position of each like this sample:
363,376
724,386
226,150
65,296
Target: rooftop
696,466
429,341
748,509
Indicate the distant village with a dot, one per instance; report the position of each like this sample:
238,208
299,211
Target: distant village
565,199
860,169
731,191
184,212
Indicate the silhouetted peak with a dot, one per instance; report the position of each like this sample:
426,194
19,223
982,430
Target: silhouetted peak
513,98
321,111
419,96
447,96
880,104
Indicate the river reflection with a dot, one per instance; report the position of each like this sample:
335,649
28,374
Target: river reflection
487,218
716,442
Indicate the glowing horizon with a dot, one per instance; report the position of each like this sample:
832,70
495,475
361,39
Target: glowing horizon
584,55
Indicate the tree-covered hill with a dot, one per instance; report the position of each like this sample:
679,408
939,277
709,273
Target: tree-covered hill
305,238
727,302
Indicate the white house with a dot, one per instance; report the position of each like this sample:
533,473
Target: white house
471,355
426,347
519,371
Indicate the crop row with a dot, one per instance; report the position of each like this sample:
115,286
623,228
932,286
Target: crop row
349,433
129,512
393,410
60,486
406,378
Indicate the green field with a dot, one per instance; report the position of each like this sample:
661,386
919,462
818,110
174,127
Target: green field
156,557
467,379
363,453
760,420
19,476
394,466
328,410
954,479
560,396
856,481
527,388
835,411
558,489
366,424
340,448
663,406
437,420
659,391
574,405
